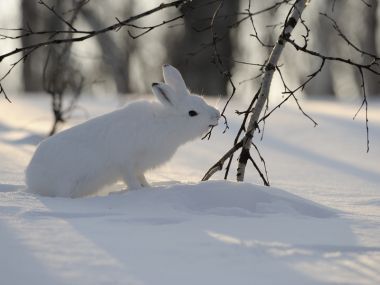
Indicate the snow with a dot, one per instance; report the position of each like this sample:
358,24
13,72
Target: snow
318,223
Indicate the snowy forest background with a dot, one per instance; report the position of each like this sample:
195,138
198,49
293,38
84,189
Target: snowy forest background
116,63
318,223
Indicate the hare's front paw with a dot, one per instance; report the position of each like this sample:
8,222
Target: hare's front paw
135,182
143,181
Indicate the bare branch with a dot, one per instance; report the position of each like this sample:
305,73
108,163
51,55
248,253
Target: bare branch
4,93
219,164
263,161
91,34
51,9
370,67
364,103
150,28
217,60
266,183
345,38
255,34
292,93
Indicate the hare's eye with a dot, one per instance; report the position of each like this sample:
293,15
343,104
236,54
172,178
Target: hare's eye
192,113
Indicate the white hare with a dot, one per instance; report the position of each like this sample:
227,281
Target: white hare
120,145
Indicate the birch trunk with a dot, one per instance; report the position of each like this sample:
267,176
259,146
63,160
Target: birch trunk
266,81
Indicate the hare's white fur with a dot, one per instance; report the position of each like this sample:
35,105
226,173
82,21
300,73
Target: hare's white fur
120,145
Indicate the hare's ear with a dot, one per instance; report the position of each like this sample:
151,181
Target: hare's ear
164,93
174,79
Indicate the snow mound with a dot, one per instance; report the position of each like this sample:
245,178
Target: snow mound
223,198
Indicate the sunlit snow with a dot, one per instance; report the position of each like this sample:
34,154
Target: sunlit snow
318,224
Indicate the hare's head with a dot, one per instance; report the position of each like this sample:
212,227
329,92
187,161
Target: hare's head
191,110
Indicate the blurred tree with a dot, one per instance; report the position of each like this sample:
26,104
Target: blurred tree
192,52
61,77
322,41
207,39
369,45
35,17
32,67
115,58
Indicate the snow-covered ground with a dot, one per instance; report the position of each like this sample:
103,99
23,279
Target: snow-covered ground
318,224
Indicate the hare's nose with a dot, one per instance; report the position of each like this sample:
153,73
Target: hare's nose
217,114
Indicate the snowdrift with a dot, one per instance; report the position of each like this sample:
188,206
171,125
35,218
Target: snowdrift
318,224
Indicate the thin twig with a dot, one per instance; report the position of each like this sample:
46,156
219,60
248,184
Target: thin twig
365,104
51,9
91,34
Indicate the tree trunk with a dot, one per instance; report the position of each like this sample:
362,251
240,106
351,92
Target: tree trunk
323,32
113,56
182,46
266,81
372,81
32,67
